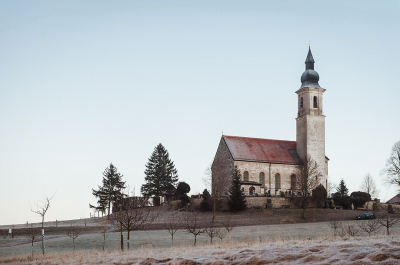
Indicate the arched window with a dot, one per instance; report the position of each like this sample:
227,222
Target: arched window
292,182
301,102
246,176
277,181
315,102
262,178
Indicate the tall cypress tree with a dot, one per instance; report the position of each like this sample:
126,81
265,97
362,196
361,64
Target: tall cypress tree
160,172
110,191
237,199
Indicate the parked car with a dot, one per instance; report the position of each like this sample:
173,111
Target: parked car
365,216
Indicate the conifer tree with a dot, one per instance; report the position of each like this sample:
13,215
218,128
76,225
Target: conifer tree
342,189
237,198
160,172
205,204
110,191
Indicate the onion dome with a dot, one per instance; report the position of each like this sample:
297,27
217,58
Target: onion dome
310,77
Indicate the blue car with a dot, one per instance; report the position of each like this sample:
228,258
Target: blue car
365,216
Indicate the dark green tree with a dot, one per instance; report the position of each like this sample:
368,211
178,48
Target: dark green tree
161,175
182,188
342,189
110,191
181,192
344,201
359,198
236,199
205,204
319,195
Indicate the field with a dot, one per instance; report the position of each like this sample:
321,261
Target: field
286,241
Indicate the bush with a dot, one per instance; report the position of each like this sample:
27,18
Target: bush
344,201
282,194
206,204
359,198
319,195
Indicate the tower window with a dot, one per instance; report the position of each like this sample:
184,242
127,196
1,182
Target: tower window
315,102
246,176
277,181
262,177
292,182
301,102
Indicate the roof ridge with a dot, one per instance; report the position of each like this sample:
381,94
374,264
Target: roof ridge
258,138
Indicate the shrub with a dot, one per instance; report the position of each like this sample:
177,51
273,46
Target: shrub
319,195
359,198
206,204
344,201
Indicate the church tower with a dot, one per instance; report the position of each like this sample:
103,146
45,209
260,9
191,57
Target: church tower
310,121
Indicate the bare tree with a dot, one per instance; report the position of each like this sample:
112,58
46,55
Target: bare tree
73,231
172,226
5,233
212,230
332,187
228,224
221,233
133,214
336,226
215,185
42,207
369,186
392,168
387,218
193,225
351,230
32,235
207,178
220,179
370,226
104,232
306,181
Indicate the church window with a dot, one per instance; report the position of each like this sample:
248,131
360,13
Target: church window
277,181
262,177
315,102
301,102
246,176
292,182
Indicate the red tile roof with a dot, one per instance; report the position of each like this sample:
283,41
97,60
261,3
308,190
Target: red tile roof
262,150
395,199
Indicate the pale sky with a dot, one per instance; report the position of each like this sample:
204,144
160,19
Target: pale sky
87,83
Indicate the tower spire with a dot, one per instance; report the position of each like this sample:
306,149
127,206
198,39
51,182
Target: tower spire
309,60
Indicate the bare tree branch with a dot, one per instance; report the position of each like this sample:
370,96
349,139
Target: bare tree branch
392,168
307,180
42,207
172,226
370,226
193,225
132,214
387,217
73,231
369,186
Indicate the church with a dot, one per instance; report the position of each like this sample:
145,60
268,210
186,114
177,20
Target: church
270,167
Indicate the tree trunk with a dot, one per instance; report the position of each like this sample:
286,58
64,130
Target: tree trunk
214,206
122,240
303,214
